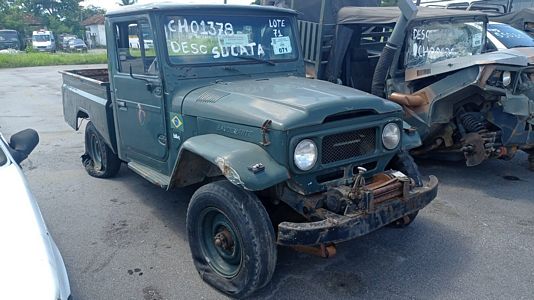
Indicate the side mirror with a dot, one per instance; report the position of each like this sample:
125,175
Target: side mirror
22,144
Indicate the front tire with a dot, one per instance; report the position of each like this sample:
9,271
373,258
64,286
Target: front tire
99,160
231,238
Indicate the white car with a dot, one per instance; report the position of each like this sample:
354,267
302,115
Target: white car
503,36
32,267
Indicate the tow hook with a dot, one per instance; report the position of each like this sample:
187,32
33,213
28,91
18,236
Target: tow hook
324,251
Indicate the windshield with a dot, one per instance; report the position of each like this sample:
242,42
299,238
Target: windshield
509,36
76,42
433,42
41,38
8,36
223,39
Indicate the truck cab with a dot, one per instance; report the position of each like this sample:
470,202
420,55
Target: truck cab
220,98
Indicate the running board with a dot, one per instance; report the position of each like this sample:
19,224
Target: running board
149,174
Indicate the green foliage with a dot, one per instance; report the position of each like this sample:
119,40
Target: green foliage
60,16
30,49
33,59
11,17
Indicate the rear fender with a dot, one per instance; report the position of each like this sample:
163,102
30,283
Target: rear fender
234,159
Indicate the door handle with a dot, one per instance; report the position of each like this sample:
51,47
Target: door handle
122,105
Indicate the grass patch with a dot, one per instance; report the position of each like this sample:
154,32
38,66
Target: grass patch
50,59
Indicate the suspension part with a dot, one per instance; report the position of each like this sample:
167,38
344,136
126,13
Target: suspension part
472,122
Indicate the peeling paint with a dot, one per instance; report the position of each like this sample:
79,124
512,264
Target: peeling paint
229,172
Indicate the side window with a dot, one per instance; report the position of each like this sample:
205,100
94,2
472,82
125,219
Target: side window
135,48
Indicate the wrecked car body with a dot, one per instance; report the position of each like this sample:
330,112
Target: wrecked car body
220,99
467,104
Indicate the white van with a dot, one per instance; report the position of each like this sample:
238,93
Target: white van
43,40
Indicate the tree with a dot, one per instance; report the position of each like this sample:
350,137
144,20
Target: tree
12,17
90,11
127,2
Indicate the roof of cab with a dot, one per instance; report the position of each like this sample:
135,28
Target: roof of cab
166,6
386,15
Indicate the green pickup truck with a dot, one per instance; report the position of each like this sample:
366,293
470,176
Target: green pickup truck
217,95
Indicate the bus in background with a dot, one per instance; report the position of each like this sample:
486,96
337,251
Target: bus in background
43,40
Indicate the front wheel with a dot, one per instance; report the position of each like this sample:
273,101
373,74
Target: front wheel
99,160
231,238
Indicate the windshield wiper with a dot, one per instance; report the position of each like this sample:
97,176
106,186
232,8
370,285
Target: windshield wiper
265,61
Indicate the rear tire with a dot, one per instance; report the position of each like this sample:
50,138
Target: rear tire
405,163
231,238
99,160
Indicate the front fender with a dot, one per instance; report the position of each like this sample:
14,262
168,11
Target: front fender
235,159
410,137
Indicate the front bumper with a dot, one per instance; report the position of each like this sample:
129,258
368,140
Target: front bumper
338,228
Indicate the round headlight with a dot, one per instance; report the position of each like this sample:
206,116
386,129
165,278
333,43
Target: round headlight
391,136
506,78
305,155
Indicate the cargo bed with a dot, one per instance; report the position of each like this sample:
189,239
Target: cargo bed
86,94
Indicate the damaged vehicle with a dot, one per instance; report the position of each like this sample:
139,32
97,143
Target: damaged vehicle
465,102
220,99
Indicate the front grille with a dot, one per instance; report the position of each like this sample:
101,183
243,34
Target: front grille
348,145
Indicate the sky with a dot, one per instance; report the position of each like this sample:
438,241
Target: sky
110,4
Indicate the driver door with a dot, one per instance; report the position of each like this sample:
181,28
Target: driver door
138,97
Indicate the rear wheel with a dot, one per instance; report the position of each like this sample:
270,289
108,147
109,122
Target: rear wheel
99,160
231,238
405,163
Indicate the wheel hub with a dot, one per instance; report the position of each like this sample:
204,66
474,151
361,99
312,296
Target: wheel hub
220,242
223,239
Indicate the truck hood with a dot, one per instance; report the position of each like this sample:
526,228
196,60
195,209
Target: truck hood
515,57
290,102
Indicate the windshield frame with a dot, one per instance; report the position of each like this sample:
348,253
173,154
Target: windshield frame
402,57
162,18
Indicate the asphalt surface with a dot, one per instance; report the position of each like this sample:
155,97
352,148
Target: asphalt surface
124,238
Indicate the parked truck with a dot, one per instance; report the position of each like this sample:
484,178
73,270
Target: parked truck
466,103
11,39
220,99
